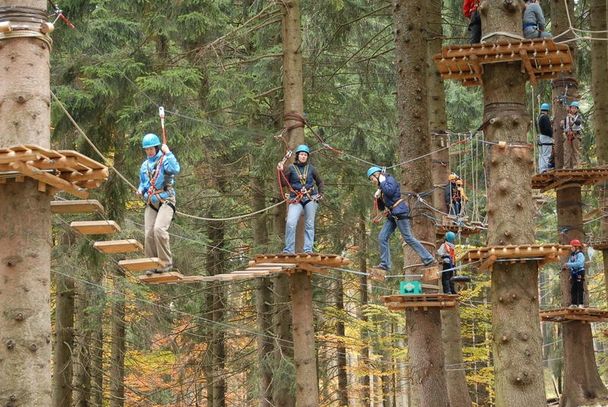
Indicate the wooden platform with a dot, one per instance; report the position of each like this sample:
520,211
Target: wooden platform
315,259
164,278
95,227
77,206
62,170
574,314
420,301
540,59
466,229
143,264
599,244
558,178
118,246
522,253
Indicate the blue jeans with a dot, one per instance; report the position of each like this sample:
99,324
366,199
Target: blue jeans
293,215
406,231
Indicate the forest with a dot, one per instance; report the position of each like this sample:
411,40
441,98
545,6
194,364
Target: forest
239,96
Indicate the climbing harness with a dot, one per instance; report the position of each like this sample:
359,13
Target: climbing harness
154,172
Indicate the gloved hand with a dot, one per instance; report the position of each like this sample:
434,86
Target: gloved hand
165,149
280,166
378,194
381,178
317,197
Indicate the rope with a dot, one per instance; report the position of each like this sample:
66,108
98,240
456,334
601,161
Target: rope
134,188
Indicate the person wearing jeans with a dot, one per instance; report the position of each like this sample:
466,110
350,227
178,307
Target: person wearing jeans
301,177
389,199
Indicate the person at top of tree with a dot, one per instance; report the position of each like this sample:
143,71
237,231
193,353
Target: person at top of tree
545,139
572,126
470,10
534,21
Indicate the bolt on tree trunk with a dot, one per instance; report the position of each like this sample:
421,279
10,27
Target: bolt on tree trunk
25,238
517,341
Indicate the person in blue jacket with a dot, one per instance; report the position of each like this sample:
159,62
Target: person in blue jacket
301,178
389,198
156,187
576,266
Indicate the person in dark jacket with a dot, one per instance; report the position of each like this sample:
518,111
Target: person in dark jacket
301,178
388,197
545,139
576,266
452,195
447,254
470,10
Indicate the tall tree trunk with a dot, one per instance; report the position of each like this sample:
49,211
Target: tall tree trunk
64,341
582,382
517,341
599,89
363,301
117,364
414,141
450,318
564,88
215,265
341,349
82,367
96,350
283,370
25,237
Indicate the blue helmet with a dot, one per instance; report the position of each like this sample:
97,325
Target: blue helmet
545,107
150,140
373,170
303,148
574,104
450,237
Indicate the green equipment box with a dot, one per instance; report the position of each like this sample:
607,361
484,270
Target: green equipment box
410,287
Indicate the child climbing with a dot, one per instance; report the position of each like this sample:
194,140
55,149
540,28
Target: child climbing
470,10
388,197
301,178
448,259
576,266
534,21
156,182
545,139
453,198
572,126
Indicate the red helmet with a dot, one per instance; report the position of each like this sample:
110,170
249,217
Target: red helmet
575,243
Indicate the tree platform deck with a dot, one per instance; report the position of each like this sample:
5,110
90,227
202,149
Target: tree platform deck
540,59
555,179
464,229
61,170
143,264
599,244
118,246
77,206
420,301
543,253
95,227
574,314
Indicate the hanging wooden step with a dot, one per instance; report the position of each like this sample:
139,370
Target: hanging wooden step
543,253
143,264
171,277
556,179
574,314
420,301
62,170
95,227
118,246
77,206
540,59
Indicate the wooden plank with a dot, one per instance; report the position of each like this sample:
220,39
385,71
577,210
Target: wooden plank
47,178
143,264
118,246
95,227
77,206
162,278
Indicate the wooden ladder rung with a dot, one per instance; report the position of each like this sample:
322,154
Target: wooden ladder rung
77,206
95,227
143,264
118,246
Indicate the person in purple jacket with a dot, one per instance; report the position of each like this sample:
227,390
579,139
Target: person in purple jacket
389,198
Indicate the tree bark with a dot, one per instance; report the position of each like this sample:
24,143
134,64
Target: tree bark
283,370
363,301
414,141
517,341
25,236
64,341
456,378
117,357
96,349
307,391
82,368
